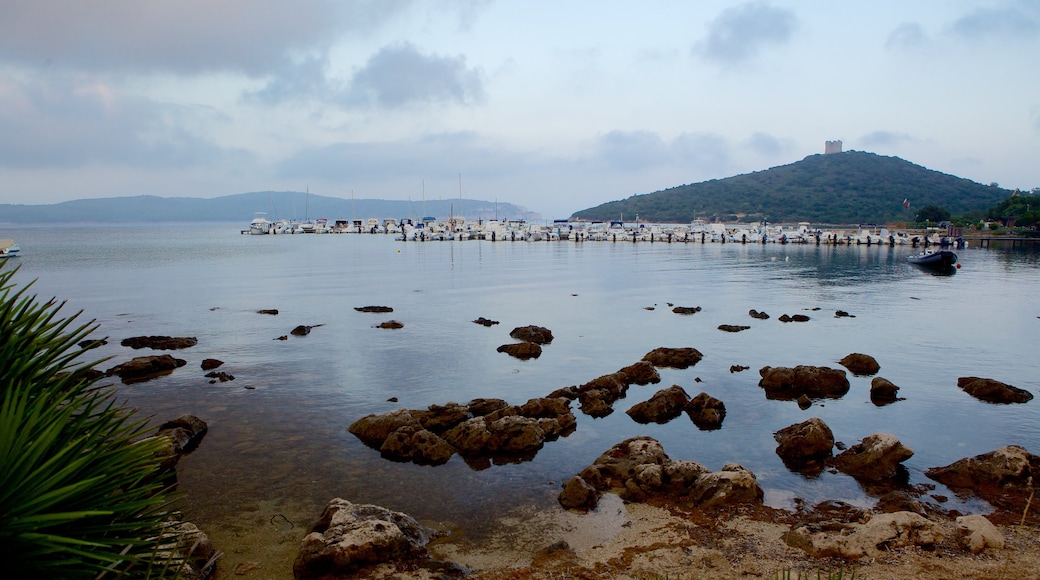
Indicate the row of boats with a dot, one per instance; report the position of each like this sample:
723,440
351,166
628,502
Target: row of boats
457,228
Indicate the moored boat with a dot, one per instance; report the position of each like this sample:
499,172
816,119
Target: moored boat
933,259
9,249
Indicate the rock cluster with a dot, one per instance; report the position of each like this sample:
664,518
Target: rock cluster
480,430
638,469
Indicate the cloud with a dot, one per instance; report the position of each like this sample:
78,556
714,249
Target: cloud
400,75
1002,23
906,36
740,33
180,36
303,80
432,155
636,151
768,145
886,139
79,123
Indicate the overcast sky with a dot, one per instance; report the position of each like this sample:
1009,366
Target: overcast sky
556,106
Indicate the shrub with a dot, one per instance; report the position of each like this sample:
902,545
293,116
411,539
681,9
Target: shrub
79,496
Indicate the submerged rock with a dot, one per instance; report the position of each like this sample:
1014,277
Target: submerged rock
877,457
993,391
706,412
145,367
159,342
662,407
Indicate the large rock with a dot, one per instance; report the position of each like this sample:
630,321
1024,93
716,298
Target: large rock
875,538
805,446
877,458
145,367
676,358
788,383
993,391
706,412
535,334
351,536
440,418
734,484
976,533
184,435
860,364
662,407
1010,467
160,342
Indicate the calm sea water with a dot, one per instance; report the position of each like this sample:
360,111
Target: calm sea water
284,441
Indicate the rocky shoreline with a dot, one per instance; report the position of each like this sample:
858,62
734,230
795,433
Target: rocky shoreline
681,508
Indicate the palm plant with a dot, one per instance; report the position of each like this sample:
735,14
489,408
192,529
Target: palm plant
78,492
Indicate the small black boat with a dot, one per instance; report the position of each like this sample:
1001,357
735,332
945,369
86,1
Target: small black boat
938,259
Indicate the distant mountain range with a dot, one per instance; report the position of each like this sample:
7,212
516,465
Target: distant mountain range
243,207
849,187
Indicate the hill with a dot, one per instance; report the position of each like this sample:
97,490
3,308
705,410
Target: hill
243,206
849,187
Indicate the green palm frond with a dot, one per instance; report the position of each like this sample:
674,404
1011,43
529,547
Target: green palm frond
79,494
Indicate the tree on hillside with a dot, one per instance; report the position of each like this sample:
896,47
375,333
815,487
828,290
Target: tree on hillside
932,213
1024,208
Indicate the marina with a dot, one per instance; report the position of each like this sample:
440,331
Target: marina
698,231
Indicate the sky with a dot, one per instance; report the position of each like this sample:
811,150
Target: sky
555,106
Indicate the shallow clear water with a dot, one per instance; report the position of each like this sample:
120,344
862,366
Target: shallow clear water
286,437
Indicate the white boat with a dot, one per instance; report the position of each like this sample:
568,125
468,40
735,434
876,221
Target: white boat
9,249
260,225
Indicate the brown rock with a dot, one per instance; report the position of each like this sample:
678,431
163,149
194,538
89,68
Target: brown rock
577,494
662,407
159,342
795,318
211,363
790,383
373,430
485,321
145,367
1010,467
878,457
351,536
732,327
378,309
860,364
421,446
535,334
805,446
883,392
677,358
993,391
706,412
271,311
759,315
390,324
641,373
521,350
686,309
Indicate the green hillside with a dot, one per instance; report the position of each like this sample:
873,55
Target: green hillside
850,187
